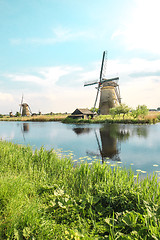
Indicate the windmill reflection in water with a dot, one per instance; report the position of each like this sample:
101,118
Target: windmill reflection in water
108,141
24,129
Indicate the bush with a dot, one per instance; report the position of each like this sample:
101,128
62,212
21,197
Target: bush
141,111
158,117
120,109
94,110
18,114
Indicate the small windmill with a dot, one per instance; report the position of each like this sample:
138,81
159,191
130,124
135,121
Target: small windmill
110,93
24,109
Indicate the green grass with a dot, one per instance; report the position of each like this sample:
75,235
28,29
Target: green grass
38,118
45,197
151,118
118,119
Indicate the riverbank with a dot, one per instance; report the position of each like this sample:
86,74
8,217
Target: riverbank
151,118
44,197
37,118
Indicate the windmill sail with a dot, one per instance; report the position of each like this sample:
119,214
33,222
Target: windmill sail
103,67
25,109
118,94
90,83
110,93
21,104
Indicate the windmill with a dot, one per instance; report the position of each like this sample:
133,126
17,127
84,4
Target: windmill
109,88
24,109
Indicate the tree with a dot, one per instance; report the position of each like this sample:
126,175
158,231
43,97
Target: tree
124,109
120,109
17,114
141,111
113,112
95,110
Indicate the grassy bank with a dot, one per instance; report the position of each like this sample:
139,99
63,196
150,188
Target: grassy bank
151,118
38,118
44,197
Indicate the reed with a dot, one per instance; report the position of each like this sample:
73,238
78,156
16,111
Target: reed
43,196
38,118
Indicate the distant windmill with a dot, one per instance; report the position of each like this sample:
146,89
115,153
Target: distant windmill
110,93
24,109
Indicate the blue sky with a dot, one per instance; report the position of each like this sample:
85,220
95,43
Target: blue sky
49,48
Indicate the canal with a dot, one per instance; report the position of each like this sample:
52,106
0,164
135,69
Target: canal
131,146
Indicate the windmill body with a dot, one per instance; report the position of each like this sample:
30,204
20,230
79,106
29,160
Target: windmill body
108,88
25,109
108,97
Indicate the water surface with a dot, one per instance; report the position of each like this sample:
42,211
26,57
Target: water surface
135,146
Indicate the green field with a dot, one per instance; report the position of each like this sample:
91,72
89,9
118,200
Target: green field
45,197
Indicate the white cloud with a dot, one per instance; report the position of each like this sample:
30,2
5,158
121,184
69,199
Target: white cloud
139,84
24,78
139,81
141,30
45,76
6,101
5,97
59,34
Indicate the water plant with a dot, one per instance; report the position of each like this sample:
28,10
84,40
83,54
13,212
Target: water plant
43,196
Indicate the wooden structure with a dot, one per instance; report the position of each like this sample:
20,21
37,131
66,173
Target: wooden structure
109,96
108,88
82,113
25,109
81,130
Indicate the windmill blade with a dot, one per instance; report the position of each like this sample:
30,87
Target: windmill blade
102,72
98,142
99,146
119,95
21,104
96,97
103,66
90,83
93,153
117,91
110,79
30,109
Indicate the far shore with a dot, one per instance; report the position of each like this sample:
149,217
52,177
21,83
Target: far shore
151,118
37,118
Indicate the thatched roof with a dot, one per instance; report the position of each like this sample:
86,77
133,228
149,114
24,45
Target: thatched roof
84,111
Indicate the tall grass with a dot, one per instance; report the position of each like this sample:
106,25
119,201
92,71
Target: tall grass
45,197
151,118
38,118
